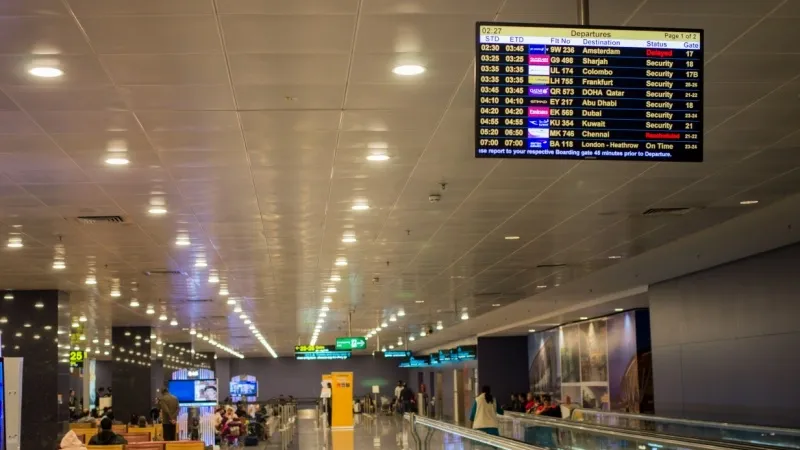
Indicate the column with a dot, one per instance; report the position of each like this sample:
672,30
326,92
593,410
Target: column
29,322
130,372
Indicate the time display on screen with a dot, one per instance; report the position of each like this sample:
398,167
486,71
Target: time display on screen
569,92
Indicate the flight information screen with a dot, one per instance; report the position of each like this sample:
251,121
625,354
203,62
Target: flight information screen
573,92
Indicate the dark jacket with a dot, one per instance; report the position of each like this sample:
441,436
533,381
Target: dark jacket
107,437
168,404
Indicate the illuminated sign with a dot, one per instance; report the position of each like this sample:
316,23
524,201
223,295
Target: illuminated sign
76,358
319,353
396,354
351,343
580,92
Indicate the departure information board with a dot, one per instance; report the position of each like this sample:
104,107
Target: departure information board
574,92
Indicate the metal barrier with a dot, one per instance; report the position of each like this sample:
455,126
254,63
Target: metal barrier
431,428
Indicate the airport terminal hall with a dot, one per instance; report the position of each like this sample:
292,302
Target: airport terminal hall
399,224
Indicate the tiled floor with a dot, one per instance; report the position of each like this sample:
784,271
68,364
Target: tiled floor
381,432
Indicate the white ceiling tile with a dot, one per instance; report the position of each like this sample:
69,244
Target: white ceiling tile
417,33
427,7
166,69
289,69
87,8
294,34
153,34
280,7
187,98
42,35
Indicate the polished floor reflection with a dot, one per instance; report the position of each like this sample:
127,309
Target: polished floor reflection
369,432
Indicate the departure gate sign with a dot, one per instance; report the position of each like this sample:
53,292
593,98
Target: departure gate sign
574,92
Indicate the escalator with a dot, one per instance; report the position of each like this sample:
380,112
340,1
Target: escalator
724,433
560,434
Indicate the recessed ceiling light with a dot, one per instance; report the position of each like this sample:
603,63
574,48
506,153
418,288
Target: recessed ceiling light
511,238
223,291
748,202
231,301
531,331
401,313
323,314
325,308
150,310
336,278
91,280
384,325
619,309
419,301
378,157
541,286
349,238
412,338
201,263
391,347
134,303
360,207
157,210
327,300
117,161
331,290
583,318
193,332
46,72
464,316
15,242
495,304
408,70
615,257
174,323
439,326
115,293
238,309
38,305
162,317
59,265
393,318
82,319
341,262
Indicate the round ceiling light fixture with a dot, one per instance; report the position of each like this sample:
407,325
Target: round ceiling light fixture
408,70
46,72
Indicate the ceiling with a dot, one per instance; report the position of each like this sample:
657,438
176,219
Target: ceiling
250,122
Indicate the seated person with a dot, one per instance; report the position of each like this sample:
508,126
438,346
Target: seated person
142,422
105,436
134,419
547,409
531,403
70,441
85,417
232,430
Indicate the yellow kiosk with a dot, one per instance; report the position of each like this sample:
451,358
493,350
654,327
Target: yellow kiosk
342,420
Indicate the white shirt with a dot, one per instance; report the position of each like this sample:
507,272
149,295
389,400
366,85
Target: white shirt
397,391
485,413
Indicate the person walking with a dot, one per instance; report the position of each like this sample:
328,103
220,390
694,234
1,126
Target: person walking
168,404
484,412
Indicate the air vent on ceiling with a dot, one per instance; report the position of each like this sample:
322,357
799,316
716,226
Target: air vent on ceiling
163,272
550,266
667,211
92,220
193,300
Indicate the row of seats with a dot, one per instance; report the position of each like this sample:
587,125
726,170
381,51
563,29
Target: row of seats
155,445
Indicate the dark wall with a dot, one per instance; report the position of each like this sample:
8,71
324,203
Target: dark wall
726,342
503,365
44,377
130,372
102,374
288,376
447,387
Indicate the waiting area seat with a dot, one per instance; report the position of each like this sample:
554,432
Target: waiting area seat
145,445
119,428
185,445
105,447
136,437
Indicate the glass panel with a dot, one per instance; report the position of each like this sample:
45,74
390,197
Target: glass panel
747,434
437,435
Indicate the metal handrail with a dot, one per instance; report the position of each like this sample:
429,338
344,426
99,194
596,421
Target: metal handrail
702,423
473,435
607,431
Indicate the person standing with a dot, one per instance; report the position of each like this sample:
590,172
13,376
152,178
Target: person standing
484,413
168,404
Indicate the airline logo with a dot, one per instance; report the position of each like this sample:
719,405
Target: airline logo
538,111
538,91
537,49
537,60
538,70
538,79
538,101
538,123
542,144
538,133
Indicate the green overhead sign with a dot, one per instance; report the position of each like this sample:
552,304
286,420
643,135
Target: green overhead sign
351,343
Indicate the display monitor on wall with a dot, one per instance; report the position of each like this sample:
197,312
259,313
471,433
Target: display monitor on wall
580,92
244,387
195,392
